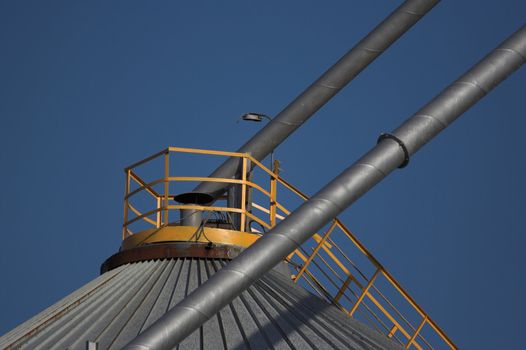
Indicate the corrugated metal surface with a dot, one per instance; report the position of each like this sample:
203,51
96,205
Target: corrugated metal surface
115,307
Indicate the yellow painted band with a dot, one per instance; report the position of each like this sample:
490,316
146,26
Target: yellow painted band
188,234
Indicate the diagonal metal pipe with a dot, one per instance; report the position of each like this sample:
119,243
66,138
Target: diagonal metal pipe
392,151
322,90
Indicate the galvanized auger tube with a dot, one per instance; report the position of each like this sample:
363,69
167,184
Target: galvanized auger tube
322,90
392,151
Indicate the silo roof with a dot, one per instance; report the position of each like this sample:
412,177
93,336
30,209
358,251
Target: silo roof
112,309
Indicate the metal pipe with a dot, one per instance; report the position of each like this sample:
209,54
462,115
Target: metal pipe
191,217
234,201
391,152
322,90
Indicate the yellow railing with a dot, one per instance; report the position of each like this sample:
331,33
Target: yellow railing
164,197
335,264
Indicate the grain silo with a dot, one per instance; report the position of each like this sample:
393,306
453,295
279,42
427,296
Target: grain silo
158,267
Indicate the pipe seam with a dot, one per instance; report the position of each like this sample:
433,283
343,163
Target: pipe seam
413,13
442,123
330,87
289,123
512,51
368,49
190,308
473,84
374,167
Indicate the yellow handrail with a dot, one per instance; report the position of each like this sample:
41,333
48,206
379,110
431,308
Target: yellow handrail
351,292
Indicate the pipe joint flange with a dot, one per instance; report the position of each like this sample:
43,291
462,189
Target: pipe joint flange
387,135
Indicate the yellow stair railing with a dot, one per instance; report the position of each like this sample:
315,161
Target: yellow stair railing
333,264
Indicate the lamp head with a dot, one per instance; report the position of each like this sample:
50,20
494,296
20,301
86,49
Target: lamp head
252,117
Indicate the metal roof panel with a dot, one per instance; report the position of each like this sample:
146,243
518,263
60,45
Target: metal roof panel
113,308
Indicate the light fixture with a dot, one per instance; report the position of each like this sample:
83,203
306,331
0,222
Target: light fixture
258,117
255,117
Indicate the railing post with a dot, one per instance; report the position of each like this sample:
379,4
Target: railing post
345,285
364,293
416,332
126,193
273,193
158,215
316,250
392,331
250,178
244,195
166,185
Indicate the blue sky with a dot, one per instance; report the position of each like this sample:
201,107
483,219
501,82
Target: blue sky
87,88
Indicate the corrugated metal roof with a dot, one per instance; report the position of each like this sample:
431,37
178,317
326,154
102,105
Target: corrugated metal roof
115,307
